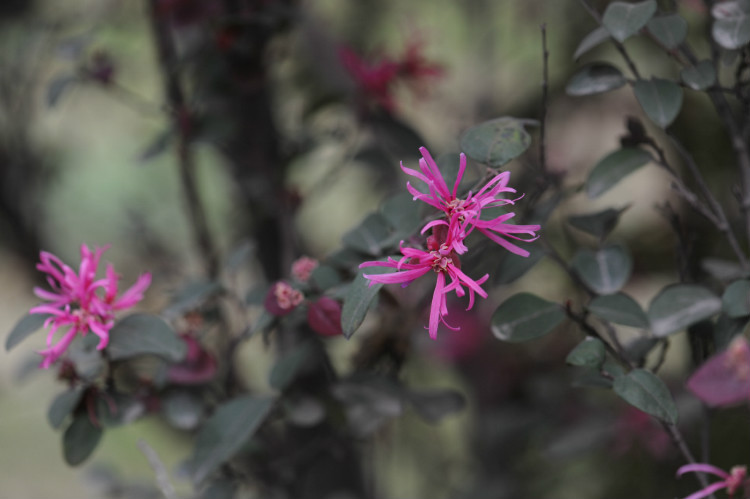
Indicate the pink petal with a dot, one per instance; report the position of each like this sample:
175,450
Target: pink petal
702,468
396,277
134,294
437,300
461,170
707,491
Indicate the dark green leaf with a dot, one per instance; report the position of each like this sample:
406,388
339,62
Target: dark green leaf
669,30
613,168
726,329
699,77
80,439
225,432
524,317
731,28
434,405
639,348
513,266
368,237
589,353
595,78
604,271
191,297
620,309
220,489
57,87
598,224
325,277
736,299
648,393
625,19
402,213
660,99
63,405
723,270
596,37
358,299
183,409
679,306
141,334
287,367
29,323
117,409
497,141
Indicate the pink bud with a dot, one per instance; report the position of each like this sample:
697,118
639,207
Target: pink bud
282,299
303,267
324,316
725,378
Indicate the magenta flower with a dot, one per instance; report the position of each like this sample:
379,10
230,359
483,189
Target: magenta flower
374,80
282,299
731,481
467,211
724,380
81,302
445,263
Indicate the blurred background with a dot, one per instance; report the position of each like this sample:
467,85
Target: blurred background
87,155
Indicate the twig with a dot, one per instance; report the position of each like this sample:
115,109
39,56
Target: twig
160,471
620,48
664,343
545,96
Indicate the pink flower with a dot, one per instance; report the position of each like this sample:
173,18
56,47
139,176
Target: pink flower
732,480
724,379
467,211
444,261
303,267
282,299
373,80
80,302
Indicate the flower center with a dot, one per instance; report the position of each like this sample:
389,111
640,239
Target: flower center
736,478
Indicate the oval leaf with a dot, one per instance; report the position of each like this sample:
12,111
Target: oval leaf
679,306
620,309
648,393
141,334
736,299
604,271
80,439
595,78
669,30
660,99
29,323
513,266
369,236
63,405
225,432
358,298
497,141
613,168
57,88
623,19
287,367
598,224
589,353
524,316
731,28
596,37
699,77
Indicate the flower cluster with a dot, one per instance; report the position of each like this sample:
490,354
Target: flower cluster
459,217
80,301
736,478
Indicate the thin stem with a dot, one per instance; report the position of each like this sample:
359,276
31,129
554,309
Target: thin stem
545,97
679,441
620,48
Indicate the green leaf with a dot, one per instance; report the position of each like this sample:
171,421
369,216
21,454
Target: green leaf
699,77
679,306
669,30
80,439
64,405
598,224
736,299
595,78
625,19
225,432
524,317
497,141
613,168
726,329
604,271
596,37
57,88
287,367
142,334
191,297
402,212
589,353
513,266
660,99
359,296
731,28
620,309
368,236
182,409
325,277
648,393
29,323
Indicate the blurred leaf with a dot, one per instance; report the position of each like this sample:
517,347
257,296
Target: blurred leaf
679,306
402,213
596,37
625,19
396,136
513,266
368,236
639,348
369,402
723,270
524,317
182,409
325,277
736,299
660,99
287,367
434,405
345,258
648,393
117,409
731,28
264,321
358,298
158,145
141,334
613,168
726,329
669,30
57,88
29,323
497,141
220,489
604,271
598,224
699,77
80,439
192,296
620,309
225,432
595,78
589,353
64,405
